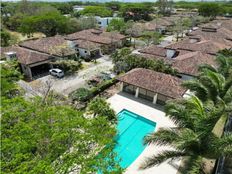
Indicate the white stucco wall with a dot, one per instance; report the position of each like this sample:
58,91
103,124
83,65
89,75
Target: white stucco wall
170,53
83,52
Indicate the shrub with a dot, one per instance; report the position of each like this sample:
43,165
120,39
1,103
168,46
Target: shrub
68,66
99,107
84,94
81,94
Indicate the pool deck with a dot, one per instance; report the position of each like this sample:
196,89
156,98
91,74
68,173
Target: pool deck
154,113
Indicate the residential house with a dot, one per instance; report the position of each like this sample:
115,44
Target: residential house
32,63
56,46
187,65
87,49
35,56
215,33
153,86
196,44
103,22
107,41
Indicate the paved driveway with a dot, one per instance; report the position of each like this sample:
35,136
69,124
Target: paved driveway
70,83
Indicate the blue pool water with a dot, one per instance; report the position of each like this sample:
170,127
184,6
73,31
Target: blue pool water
131,130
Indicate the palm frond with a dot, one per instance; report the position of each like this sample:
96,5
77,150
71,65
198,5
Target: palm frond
192,165
164,136
199,90
161,157
178,113
205,67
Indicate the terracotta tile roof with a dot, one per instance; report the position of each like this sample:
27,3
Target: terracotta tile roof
56,45
154,81
26,56
188,63
164,21
86,44
96,36
150,56
147,26
154,50
226,23
205,46
222,35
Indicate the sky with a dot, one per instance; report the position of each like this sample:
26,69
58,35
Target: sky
111,0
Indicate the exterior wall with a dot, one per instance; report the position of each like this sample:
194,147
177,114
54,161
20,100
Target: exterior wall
103,22
170,53
144,94
83,52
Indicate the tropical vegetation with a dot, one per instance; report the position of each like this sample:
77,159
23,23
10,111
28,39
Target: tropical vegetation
200,120
125,61
45,135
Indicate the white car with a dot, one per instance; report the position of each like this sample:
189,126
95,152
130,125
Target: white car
56,72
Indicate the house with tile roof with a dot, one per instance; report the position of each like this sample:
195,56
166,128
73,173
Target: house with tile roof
56,46
107,41
32,63
153,86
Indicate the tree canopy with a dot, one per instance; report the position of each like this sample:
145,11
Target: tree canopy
38,136
209,10
97,11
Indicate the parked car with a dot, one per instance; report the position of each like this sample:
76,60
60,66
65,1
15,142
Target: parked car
56,72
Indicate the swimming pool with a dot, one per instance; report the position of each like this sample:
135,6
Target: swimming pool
131,130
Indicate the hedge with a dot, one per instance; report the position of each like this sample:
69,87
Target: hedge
84,94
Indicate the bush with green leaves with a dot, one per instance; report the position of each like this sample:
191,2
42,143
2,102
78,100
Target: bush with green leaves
68,66
51,137
10,74
125,61
99,107
81,94
84,94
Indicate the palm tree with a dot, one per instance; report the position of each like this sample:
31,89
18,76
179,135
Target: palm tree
192,138
215,84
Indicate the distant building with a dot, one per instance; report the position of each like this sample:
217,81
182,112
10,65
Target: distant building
77,8
106,41
103,22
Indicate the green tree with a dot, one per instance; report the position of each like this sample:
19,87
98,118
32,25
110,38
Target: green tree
136,12
151,37
5,38
49,23
191,139
124,61
209,9
97,11
117,25
213,83
99,107
165,7
10,74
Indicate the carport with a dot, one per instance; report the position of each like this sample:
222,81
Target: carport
32,63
